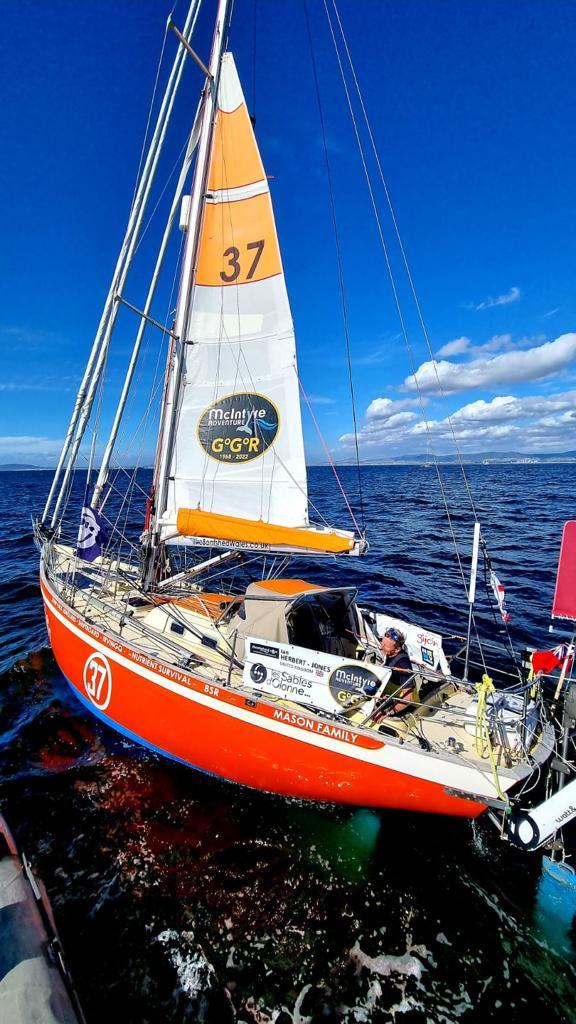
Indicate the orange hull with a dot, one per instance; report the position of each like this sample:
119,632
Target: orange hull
226,734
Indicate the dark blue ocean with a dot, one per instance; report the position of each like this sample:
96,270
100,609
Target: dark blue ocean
180,898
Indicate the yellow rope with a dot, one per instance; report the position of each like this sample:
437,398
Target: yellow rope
482,739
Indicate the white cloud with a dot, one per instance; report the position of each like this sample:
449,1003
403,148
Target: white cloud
508,368
321,400
531,423
506,408
496,343
385,408
27,445
503,407
378,431
380,354
502,300
13,386
400,419
20,337
455,348
384,418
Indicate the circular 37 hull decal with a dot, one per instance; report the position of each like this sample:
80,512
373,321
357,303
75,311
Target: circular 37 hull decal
238,428
98,680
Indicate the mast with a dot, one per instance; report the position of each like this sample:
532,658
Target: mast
230,464
176,354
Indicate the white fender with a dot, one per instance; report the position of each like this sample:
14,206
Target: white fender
529,829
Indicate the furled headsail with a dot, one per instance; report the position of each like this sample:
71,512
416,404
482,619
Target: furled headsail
236,461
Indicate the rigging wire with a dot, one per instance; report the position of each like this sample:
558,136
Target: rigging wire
94,429
329,456
176,164
503,623
150,109
254,39
125,445
85,397
118,531
403,254
340,267
398,307
418,307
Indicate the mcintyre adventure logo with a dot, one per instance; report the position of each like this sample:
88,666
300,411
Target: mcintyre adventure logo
349,681
238,428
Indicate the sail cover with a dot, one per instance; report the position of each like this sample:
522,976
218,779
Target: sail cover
238,448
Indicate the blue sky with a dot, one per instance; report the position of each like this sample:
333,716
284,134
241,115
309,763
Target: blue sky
472,105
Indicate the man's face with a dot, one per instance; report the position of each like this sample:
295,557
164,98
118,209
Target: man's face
388,646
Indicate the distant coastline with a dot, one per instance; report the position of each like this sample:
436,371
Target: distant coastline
20,467
469,459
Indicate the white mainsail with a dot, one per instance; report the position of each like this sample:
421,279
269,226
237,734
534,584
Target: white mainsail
238,447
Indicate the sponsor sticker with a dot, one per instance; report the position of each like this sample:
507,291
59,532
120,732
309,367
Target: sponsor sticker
258,673
238,428
348,681
264,649
311,677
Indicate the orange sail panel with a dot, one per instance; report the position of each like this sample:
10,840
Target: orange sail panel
235,158
191,523
238,243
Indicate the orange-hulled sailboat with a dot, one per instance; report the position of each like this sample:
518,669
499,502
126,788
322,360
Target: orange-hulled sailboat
278,684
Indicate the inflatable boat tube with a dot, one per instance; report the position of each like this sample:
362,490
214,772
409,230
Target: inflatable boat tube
35,986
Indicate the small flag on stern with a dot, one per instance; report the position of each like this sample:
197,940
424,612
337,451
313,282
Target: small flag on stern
91,535
500,595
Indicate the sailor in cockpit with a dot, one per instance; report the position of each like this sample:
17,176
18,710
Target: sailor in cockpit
400,691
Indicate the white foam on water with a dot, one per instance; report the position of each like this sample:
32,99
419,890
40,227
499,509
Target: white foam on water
386,965
193,970
297,1016
405,1005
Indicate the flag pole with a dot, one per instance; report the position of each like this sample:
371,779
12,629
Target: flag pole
567,708
472,591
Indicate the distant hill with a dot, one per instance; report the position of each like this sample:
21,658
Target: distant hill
17,467
471,458
489,457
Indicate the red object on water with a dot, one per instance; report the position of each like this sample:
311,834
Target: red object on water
564,604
